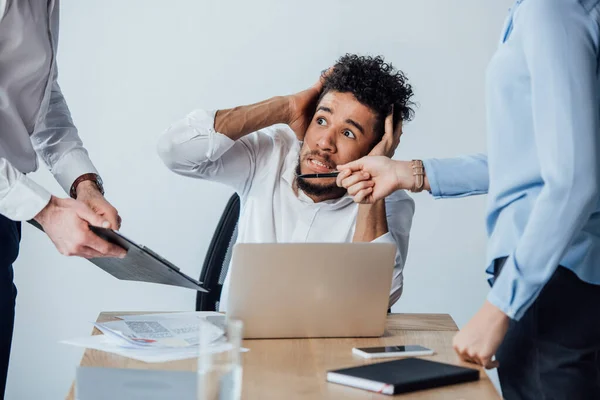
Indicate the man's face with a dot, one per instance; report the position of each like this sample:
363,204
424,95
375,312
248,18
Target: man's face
342,130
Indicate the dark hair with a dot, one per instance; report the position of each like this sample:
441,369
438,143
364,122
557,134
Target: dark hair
374,83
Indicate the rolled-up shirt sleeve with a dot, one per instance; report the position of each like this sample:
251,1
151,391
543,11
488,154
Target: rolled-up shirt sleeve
192,147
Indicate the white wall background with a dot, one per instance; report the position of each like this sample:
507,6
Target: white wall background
130,68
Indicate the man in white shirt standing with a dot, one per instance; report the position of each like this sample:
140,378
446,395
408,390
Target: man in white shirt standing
35,121
355,109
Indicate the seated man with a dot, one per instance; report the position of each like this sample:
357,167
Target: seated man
344,116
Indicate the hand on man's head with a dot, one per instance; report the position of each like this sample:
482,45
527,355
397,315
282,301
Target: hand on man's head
391,137
302,106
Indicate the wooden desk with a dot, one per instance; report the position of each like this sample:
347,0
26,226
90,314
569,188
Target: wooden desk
296,368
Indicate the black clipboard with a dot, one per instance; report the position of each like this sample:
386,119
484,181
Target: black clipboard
140,264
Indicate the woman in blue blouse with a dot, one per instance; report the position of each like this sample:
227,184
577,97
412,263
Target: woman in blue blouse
541,319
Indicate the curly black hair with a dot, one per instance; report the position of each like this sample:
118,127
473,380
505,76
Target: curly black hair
374,83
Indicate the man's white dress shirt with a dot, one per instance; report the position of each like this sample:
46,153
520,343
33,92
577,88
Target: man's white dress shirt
260,167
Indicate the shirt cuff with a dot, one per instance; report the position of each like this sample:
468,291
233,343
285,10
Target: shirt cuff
71,166
511,293
24,200
432,178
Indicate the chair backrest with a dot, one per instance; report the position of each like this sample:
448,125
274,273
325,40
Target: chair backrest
218,257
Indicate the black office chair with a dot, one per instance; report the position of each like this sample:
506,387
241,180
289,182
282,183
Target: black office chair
218,257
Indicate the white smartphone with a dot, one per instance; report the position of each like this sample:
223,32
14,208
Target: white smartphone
392,351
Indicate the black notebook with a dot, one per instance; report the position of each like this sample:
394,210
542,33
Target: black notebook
402,376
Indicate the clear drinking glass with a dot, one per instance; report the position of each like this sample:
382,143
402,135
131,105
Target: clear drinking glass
219,365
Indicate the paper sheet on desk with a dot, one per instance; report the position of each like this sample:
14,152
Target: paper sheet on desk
170,315
159,331
157,337
149,355
189,315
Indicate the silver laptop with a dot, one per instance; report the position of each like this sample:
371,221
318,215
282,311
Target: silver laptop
307,290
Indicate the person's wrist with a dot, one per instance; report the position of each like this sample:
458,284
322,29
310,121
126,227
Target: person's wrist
87,183
86,187
42,216
404,176
492,309
288,106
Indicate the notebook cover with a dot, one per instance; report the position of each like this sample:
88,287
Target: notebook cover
409,374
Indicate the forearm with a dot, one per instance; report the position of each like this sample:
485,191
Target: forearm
240,121
405,178
371,222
